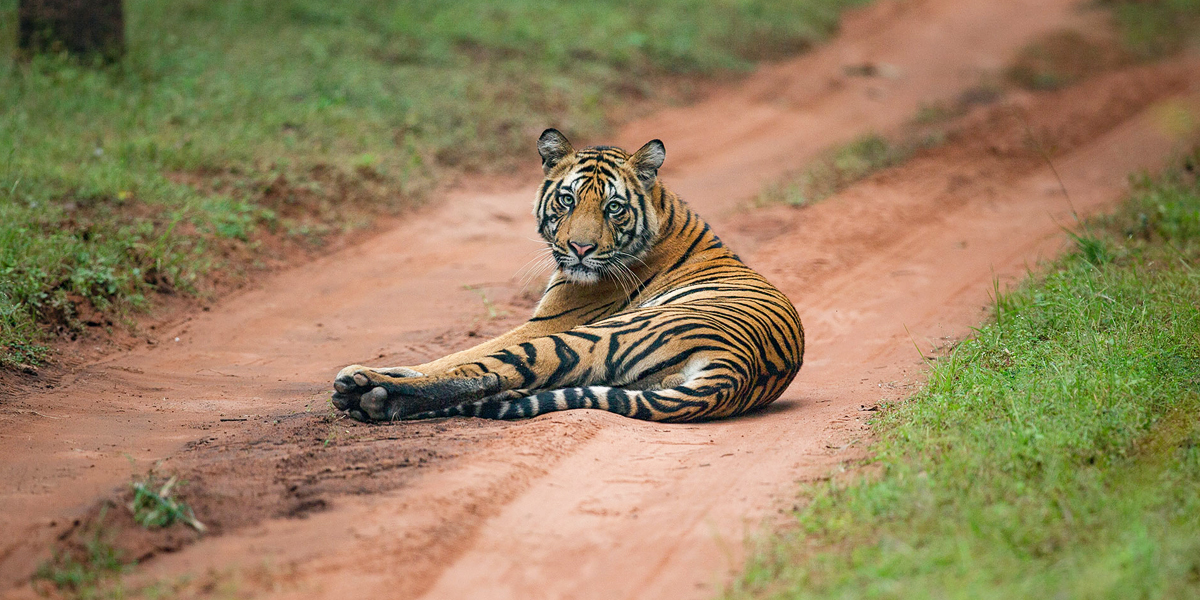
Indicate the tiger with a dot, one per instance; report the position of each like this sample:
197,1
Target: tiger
647,314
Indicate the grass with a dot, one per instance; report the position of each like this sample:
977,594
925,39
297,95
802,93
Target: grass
89,562
1155,28
232,123
1146,30
1056,454
841,167
155,508
83,572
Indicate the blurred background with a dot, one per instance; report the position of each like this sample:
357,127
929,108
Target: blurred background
144,163
195,141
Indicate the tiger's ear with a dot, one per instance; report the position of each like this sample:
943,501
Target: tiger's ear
647,160
553,146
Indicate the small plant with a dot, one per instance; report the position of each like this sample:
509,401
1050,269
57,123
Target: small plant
78,572
492,311
333,417
933,113
23,355
155,509
1091,249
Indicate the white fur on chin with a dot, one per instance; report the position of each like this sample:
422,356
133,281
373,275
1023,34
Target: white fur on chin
576,274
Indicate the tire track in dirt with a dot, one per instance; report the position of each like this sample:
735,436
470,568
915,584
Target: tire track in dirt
593,505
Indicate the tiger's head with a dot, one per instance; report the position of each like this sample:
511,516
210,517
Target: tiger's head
595,209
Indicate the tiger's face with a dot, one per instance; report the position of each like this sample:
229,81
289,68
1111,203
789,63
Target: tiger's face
594,208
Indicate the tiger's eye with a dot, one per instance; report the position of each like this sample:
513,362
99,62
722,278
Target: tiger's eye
567,200
614,208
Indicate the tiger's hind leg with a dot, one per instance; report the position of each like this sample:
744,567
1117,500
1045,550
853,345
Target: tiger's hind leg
373,396
676,398
553,361
569,369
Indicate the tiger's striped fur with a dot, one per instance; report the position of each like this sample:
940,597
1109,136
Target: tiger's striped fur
647,315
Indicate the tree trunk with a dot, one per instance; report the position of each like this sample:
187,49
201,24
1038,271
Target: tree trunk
81,27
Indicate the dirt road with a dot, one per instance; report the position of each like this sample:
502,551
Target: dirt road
584,504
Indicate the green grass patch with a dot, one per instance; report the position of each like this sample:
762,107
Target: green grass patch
91,559
1055,454
1146,30
1156,28
85,570
154,508
232,119
841,167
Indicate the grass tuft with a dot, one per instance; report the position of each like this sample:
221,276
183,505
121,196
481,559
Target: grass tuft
1156,28
1054,454
155,508
83,572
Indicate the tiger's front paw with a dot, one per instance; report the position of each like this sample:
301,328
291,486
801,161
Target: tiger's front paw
369,395
348,391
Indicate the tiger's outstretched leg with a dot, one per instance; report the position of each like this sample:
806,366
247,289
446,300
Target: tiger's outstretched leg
667,350
348,391
703,390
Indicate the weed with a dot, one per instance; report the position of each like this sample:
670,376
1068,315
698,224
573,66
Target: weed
153,508
23,354
1092,249
933,113
82,572
941,112
333,417
492,311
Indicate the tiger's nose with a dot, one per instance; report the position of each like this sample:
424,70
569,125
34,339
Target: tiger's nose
581,250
